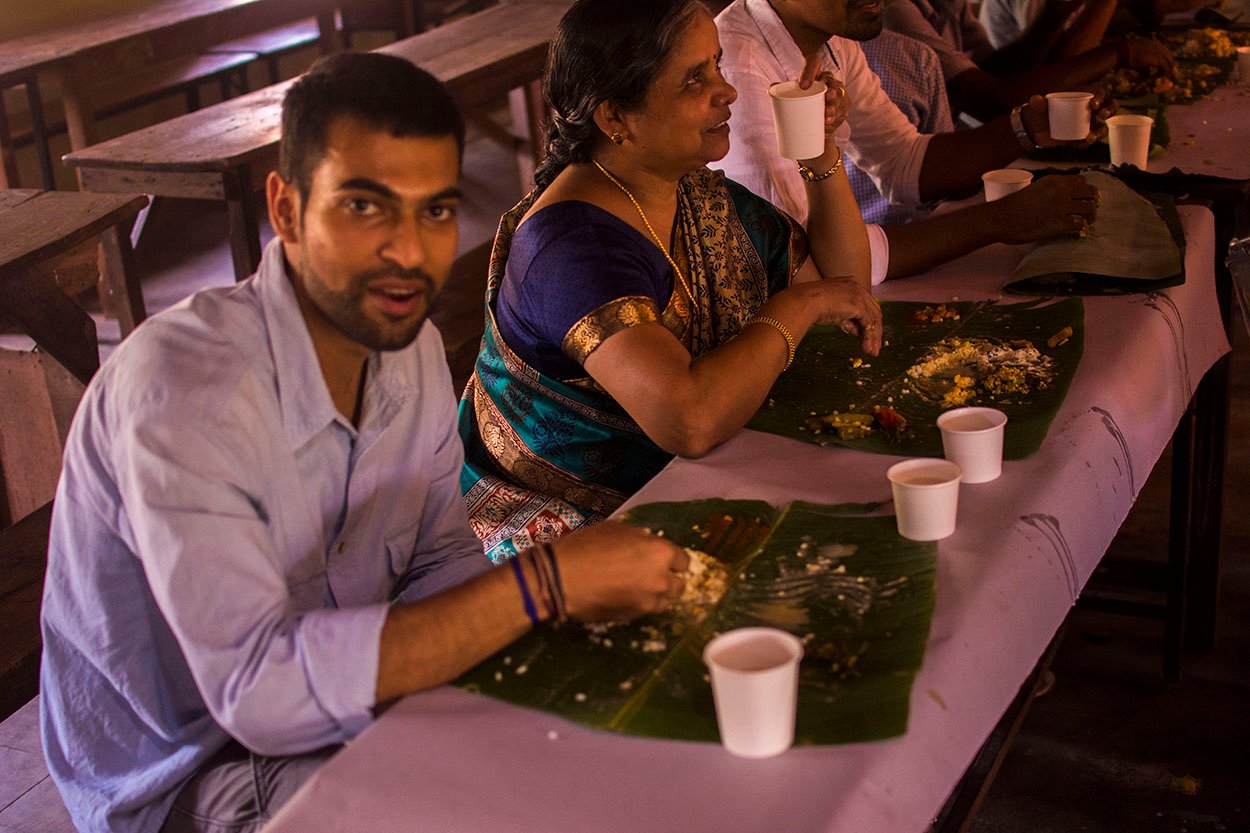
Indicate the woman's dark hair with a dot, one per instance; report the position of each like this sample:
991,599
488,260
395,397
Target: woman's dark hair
603,50
381,90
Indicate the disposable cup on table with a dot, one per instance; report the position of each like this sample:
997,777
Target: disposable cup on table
1004,181
1129,136
972,438
1069,115
799,118
926,497
755,685
1243,64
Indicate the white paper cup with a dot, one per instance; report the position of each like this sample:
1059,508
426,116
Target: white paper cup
1129,136
926,497
1069,115
1004,181
799,118
755,684
973,439
1243,64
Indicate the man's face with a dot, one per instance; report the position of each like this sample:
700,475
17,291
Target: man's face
815,21
373,243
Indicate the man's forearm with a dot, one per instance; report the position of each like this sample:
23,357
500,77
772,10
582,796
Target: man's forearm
438,639
987,96
920,246
953,162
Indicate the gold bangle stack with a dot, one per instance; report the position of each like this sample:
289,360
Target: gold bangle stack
811,176
791,345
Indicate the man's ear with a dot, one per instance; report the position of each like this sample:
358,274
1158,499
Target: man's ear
283,200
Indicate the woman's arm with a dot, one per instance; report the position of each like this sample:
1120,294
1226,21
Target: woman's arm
689,406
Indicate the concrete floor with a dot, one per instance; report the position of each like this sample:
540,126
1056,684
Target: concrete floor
1112,747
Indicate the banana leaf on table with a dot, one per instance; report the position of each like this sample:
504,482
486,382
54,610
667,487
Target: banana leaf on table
832,388
858,594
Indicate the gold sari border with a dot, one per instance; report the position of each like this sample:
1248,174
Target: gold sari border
596,326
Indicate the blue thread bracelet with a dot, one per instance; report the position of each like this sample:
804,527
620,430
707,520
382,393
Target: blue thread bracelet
525,590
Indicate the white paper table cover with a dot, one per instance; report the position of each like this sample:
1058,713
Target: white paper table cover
448,760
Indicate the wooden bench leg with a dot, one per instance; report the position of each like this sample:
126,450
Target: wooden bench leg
53,320
8,158
119,272
244,222
1179,545
525,105
39,131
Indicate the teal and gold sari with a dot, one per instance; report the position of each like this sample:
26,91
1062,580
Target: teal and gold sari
546,452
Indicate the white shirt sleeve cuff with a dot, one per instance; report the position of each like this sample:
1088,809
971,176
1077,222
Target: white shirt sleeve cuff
879,246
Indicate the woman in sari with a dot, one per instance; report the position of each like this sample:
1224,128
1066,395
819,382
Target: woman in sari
639,305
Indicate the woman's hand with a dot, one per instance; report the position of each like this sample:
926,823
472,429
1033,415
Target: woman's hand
837,102
841,302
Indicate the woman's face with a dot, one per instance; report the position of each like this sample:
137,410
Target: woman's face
684,120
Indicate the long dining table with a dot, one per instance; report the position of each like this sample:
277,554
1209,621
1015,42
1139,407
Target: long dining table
451,760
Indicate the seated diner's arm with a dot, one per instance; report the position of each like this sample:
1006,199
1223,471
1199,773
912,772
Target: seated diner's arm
987,96
1054,205
610,572
688,407
835,226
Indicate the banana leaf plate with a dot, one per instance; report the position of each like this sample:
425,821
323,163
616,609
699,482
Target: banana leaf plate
1019,358
859,595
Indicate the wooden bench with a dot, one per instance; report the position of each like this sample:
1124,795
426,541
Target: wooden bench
23,559
272,45
180,76
73,57
222,152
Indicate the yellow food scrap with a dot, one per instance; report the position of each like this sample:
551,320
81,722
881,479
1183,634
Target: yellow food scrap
1186,784
1059,338
856,362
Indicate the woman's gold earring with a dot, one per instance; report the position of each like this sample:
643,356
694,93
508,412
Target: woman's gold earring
617,138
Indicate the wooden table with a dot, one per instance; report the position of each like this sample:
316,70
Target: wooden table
222,152
76,54
450,760
39,229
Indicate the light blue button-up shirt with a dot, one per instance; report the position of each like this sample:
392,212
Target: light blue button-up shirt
225,544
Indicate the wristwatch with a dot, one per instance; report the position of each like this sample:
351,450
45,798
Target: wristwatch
1022,134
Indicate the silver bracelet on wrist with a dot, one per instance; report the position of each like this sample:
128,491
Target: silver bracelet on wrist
1022,134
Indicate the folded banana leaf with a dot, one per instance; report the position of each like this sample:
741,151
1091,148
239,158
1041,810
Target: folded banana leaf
858,594
1019,358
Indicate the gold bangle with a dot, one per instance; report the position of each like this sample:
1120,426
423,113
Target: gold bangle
791,346
811,176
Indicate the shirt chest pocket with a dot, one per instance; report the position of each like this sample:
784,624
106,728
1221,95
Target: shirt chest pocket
400,545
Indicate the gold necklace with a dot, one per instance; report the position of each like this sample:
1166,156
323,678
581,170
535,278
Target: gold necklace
681,278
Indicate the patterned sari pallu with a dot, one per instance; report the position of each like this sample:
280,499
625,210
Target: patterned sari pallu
544,455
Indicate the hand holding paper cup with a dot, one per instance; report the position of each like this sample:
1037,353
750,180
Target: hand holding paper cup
1129,136
1004,181
973,439
926,497
1069,114
755,684
799,118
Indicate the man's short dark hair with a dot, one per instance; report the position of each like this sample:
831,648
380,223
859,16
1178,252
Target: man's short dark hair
381,90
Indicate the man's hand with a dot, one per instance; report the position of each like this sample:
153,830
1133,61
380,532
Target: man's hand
613,573
837,102
1143,53
1051,206
1036,118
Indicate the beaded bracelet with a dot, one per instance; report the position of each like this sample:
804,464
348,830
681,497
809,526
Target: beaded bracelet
791,346
526,598
561,612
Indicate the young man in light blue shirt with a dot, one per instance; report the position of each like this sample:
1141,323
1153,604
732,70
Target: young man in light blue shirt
258,534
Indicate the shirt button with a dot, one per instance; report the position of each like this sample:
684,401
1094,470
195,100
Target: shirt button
342,546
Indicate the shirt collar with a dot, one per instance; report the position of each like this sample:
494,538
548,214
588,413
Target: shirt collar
303,396
302,393
779,42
